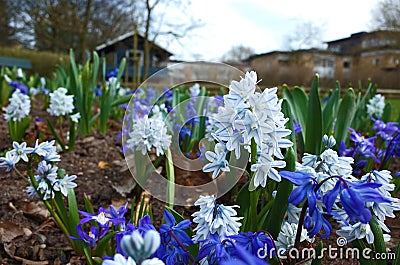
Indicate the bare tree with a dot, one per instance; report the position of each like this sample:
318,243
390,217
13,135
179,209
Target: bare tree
306,35
386,15
237,54
58,25
152,18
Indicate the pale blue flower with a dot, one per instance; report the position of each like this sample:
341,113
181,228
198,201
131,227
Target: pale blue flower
287,237
213,218
329,142
141,247
194,90
255,127
8,161
217,159
21,151
148,133
44,188
64,184
264,169
44,148
47,170
376,105
119,260
357,231
75,117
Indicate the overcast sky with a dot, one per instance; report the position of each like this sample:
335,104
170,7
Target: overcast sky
262,24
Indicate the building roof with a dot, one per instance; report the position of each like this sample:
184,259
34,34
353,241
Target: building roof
124,37
312,50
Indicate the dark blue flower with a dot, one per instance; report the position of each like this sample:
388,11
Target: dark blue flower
91,237
97,91
174,241
145,224
242,257
17,85
253,242
113,73
215,251
102,218
354,197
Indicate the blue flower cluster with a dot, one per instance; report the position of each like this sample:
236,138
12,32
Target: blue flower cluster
380,148
327,187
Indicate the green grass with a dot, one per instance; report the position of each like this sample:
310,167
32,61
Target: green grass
395,103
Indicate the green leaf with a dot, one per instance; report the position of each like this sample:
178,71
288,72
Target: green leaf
104,244
287,112
330,110
285,187
379,242
242,200
301,103
73,210
88,204
318,253
313,127
397,255
359,244
344,116
387,113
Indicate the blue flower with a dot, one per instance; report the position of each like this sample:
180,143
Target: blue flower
113,73
118,214
354,198
145,224
97,91
213,250
253,242
174,241
103,218
17,85
241,256
91,237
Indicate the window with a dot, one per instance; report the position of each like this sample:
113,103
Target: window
375,61
346,64
331,63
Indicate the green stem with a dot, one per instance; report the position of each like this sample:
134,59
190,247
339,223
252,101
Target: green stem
254,195
171,179
57,218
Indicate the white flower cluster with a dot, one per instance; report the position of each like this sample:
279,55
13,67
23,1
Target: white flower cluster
326,165
46,177
376,105
249,116
287,236
214,218
60,102
19,107
148,133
